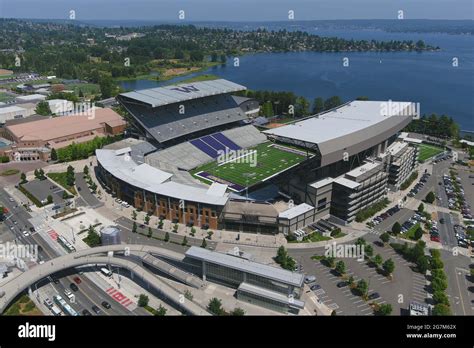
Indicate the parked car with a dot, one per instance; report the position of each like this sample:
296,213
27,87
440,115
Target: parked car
48,303
435,238
342,284
374,296
73,287
105,304
77,280
315,287
309,279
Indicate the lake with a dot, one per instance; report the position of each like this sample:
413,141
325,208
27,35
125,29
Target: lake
427,77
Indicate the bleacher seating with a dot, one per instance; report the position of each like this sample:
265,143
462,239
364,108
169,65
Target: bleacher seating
166,123
184,155
212,146
246,136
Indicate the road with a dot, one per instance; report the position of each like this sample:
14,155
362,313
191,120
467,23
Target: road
94,295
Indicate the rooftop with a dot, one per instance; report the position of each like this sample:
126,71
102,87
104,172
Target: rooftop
352,127
146,177
347,183
176,93
276,296
295,211
58,127
321,183
277,274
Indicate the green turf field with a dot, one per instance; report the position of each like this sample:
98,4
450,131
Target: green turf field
269,161
428,151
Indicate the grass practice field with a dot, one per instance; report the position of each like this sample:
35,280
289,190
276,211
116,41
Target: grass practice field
428,151
259,163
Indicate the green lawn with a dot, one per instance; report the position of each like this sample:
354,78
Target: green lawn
269,161
60,178
410,234
428,151
4,97
88,89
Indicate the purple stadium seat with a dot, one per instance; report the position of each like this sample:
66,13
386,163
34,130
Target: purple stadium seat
226,141
204,148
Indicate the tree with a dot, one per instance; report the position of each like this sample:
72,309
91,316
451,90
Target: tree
43,108
318,105
388,266
150,232
161,311
215,306
396,228
237,312
23,178
65,195
436,263
440,297
360,241
185,241
332,102
340,267
418,233
204,244
422,264
385,237
70,178
384,309
106,87
167,236
369,250
134,215
147,219
160,224
143,300
134,227
441,309
421,208
54,154
282,255
331,261
362,287
430,197
439,284
301,107
86,170
378,260
49,199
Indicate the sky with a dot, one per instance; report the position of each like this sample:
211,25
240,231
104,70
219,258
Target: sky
237,10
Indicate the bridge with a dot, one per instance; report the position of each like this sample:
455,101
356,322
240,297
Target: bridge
94,256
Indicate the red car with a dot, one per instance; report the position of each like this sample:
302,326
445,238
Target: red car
435,239
77,280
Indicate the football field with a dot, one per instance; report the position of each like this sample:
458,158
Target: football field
428,151
253,165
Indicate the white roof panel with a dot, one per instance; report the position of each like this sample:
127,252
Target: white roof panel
349,118
217,189
278,274
295,211
176,93
153,179
347,183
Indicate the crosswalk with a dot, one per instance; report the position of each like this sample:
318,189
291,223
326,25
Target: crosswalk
121,298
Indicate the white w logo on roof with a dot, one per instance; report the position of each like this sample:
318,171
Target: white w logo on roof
186,89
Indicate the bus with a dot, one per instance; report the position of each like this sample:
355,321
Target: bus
66,245
64,306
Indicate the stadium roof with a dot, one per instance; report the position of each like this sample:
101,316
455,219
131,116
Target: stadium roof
244,265
351,128
177,93
143,176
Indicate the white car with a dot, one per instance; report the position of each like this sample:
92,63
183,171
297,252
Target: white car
25,233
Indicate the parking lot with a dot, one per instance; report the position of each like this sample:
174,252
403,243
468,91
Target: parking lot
404,286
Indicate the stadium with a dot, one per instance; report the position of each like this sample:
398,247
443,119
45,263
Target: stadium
197,158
